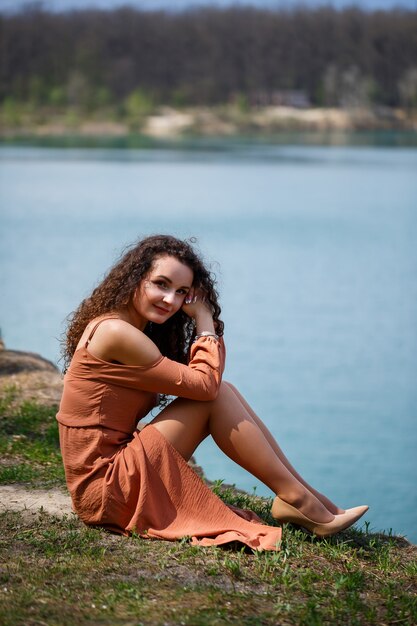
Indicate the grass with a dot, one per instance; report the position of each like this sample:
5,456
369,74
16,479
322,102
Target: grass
56,571
29,444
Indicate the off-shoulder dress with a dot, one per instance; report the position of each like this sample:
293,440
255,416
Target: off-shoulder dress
125,479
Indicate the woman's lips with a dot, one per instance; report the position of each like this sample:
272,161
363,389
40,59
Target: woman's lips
161,310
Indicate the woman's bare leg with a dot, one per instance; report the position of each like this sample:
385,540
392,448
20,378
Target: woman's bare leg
185,423
330,506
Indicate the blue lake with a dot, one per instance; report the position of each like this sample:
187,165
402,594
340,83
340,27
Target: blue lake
315,251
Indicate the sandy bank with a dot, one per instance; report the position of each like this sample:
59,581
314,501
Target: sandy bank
223,121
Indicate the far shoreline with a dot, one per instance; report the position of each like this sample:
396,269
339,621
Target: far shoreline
277,124
215,143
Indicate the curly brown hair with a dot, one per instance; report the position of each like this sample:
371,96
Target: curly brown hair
173,337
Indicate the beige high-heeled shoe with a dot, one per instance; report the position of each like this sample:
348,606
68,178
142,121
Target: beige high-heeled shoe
284,512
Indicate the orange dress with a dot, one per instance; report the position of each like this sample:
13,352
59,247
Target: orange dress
128,480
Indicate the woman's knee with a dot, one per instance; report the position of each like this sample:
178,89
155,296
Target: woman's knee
223,388
229,385
223,394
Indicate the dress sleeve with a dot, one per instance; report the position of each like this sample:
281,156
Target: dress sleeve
199,380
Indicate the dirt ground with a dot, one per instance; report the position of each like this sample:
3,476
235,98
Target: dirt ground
31,501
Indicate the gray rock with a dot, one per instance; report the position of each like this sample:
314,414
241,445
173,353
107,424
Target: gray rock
15,362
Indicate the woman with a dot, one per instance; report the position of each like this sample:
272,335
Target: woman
152,327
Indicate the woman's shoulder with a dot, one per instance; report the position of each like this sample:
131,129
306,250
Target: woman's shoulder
115,339
116,329
110,324
104,322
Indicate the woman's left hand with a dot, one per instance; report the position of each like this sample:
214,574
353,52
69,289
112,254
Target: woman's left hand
196,305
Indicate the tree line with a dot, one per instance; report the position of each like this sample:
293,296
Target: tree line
93,58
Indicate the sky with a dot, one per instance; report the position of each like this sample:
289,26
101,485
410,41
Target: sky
62,5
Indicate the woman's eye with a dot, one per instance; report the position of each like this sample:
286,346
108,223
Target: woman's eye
182,292
160,283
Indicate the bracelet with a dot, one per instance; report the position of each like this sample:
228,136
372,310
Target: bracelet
206,333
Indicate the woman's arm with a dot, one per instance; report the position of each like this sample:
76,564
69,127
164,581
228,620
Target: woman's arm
199,380
118,342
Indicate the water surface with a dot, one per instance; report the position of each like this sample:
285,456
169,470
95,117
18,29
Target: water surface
314,247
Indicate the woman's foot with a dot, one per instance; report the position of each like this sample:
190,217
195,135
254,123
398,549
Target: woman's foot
284,512
330,506
307,503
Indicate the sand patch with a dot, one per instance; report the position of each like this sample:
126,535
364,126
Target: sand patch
31,502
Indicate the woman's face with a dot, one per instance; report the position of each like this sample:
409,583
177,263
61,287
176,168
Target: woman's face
162,292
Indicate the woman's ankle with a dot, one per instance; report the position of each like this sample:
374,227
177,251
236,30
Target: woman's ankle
296,497
307,503
330,506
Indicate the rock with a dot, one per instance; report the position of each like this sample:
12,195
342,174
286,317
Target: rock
15,362
28,376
